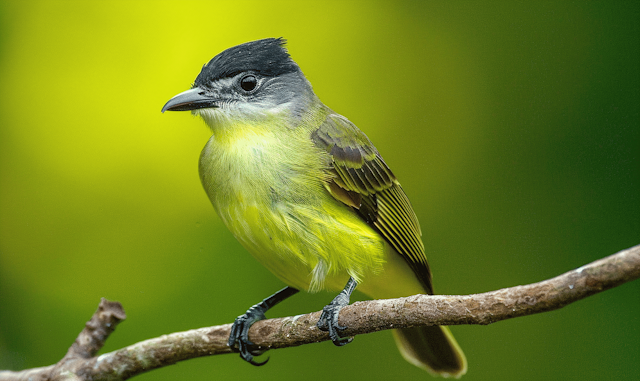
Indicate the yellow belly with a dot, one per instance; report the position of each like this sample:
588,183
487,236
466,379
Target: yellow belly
270,193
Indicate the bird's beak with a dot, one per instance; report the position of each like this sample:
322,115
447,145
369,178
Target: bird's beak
190,100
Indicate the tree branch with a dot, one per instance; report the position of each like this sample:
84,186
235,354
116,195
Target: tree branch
80,362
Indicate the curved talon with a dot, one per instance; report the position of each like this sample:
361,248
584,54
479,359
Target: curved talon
329,322
254,363
247,356
329,318
239,336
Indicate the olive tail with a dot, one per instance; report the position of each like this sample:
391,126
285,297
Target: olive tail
432,348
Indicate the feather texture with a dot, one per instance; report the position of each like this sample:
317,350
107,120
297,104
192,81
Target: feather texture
361,179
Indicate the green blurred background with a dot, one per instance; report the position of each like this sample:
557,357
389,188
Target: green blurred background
513,127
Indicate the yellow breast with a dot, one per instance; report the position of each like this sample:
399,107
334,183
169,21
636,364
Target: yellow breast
269,190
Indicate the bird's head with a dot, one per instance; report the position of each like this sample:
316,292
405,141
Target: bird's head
247,83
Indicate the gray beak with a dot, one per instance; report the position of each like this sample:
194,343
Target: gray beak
190,100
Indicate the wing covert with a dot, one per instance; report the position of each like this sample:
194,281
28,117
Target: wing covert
362,180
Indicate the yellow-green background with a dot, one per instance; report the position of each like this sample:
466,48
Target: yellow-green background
513,127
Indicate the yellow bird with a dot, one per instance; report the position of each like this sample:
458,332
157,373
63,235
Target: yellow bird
309,196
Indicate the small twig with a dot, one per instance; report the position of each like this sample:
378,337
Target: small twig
360,318
97,330
90,340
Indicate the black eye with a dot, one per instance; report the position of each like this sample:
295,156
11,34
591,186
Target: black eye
248,82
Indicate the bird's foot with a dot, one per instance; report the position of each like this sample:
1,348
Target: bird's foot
329,322
329,318
239,337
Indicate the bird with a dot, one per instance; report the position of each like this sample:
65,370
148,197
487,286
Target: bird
309,196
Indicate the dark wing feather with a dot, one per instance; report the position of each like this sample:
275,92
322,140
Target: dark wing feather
362,180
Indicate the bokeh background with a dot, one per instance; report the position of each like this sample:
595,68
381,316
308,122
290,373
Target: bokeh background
513,127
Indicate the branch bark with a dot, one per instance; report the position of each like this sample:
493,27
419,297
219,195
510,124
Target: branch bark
80,363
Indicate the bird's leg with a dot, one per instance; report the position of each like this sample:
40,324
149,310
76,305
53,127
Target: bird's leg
329,318
239,337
